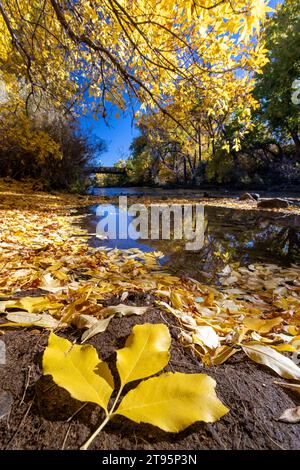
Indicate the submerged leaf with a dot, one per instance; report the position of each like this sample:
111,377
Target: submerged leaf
77,369
146,352
173,401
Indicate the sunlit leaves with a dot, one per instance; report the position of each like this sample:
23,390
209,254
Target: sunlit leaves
107,48
76,368
171,401
145,352
267,356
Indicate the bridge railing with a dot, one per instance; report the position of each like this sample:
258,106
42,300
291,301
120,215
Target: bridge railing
107,170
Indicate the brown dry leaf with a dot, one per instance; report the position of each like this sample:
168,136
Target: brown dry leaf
123,310
99,327
84,321
30,319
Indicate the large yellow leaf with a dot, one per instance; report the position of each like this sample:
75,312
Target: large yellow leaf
146,352
79,370
267,356
173,401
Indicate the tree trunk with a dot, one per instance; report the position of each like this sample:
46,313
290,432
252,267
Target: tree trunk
184,170
296,140
199,143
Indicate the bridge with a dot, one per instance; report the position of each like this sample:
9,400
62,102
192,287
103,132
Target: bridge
105,170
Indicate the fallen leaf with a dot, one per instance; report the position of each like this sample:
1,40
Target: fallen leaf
293,387
84,321
75,367
260,325
292,415
207,335
267,356
146,352
123,310
173,401
30,319
99,327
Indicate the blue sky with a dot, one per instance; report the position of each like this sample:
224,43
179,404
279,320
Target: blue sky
120,132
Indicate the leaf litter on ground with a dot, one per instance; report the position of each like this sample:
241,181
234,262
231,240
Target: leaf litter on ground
43,248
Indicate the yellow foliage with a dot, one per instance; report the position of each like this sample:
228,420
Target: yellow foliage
171,401
79,370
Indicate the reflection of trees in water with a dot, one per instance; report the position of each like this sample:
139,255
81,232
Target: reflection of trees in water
233,235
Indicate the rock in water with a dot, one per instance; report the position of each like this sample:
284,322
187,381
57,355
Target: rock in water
247,197
275,203
6,401
2,353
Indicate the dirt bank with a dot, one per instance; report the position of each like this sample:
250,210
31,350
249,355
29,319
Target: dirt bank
40,411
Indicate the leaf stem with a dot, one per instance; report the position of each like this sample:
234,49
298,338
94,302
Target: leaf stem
104,423
110,413
95,434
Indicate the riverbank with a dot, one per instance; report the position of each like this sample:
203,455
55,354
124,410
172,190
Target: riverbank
47,267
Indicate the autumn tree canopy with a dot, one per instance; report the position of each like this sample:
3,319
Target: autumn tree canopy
147,48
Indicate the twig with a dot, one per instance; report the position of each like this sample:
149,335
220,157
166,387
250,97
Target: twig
26,385
76,412
21,423
66,437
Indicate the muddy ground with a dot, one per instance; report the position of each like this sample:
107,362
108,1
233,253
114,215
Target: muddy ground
39,414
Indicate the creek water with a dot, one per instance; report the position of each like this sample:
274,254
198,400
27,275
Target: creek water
230,235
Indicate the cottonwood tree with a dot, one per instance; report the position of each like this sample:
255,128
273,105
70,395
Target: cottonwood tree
275,87
144,48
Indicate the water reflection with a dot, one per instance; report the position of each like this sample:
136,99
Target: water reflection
230,236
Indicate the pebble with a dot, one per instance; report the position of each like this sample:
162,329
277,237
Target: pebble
2,353
6,401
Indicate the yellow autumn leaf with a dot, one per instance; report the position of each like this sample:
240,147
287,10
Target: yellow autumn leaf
222,354
31,304
173,401
176,300
260,325
284,348
146,352
79,370
267,356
